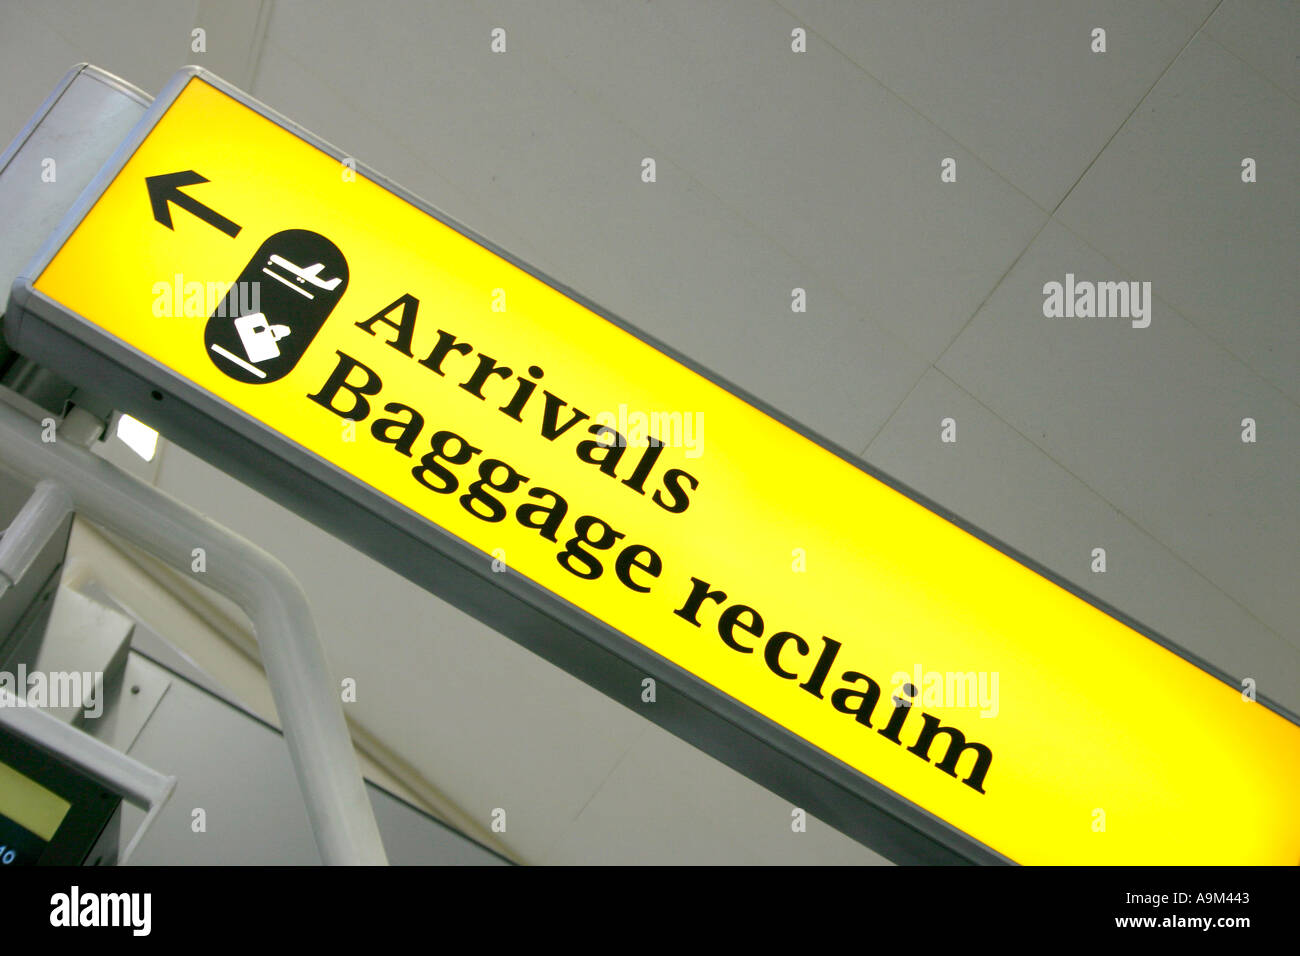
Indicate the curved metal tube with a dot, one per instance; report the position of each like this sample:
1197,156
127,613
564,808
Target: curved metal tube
308,702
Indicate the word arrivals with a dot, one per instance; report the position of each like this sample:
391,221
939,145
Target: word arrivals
1101,300
553,416
132,910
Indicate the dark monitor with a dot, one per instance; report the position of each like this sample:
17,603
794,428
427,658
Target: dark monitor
50,813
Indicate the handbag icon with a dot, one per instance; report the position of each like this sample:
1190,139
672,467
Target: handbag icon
259,336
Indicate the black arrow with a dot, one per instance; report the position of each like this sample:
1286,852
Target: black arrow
166,189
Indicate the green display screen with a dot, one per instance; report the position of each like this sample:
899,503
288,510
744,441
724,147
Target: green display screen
50,813
30,815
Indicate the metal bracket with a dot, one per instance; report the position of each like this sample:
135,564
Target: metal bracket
304,691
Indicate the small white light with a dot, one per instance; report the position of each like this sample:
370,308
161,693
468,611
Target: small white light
137,436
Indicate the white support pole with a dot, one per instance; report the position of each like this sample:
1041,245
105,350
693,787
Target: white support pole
306,697
31,528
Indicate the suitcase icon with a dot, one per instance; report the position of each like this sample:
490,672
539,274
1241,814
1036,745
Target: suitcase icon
259,337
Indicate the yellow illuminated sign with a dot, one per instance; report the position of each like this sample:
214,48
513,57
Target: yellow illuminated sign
453,382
